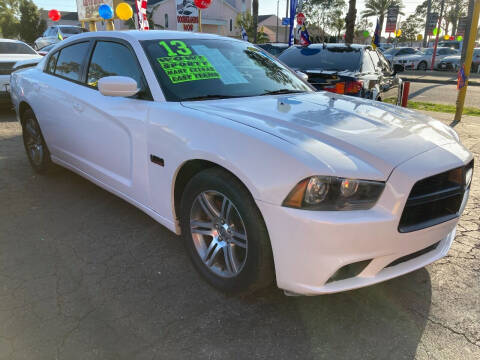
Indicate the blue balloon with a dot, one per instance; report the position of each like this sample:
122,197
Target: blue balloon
105,11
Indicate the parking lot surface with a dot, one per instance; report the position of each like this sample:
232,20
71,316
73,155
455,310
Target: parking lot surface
84,275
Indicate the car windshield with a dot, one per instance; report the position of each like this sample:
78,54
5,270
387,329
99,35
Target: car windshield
15,48
331,58
71,30
428,51
199,69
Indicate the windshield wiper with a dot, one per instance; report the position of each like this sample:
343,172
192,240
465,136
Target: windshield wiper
281,91
210,97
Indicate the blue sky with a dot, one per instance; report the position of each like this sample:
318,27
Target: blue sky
265,6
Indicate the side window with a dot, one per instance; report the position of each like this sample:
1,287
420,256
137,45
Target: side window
367,65
70,60
51,63
384,63
51,31
112,59
443,52
410,51
375,60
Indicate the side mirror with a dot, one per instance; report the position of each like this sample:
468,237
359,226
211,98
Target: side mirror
302,75
117,86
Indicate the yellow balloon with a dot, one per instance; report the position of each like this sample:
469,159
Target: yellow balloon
124,11
446,37
398,33
419,37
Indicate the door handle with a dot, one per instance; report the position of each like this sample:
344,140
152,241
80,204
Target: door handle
78,107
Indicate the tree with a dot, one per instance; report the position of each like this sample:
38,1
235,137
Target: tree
9,15
379,8
245,20
31,26
411,27
337,22
255,19
350,21
320,12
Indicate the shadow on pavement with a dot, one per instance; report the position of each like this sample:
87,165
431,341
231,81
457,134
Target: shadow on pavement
84,275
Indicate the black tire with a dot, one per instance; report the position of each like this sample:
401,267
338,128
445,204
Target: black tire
32,137
258,270
422,66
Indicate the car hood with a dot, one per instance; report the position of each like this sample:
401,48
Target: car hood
331,126
17,57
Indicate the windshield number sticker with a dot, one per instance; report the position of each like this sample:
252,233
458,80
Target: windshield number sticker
182,66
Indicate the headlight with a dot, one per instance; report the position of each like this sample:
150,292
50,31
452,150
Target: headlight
333,193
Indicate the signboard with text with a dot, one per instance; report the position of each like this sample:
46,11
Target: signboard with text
392,16
432,22
88,9
187,15
462,26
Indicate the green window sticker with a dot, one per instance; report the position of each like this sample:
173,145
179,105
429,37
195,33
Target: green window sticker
181,65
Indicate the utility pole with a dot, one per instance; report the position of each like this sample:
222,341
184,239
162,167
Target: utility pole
472,35
471,5
429,8
438,34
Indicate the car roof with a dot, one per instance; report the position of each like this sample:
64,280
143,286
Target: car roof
12,41
132,35
334,45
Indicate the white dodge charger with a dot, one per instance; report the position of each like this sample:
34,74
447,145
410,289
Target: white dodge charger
262,176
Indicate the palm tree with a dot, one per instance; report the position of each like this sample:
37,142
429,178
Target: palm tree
379,9
350,21
255,19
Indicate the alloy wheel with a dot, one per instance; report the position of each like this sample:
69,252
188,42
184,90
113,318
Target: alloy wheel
34,142
218,233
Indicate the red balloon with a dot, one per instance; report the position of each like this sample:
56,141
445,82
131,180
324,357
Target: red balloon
300,18
202,4
452,38
54,15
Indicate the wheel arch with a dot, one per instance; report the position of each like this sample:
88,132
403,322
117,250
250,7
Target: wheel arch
22,107
188,169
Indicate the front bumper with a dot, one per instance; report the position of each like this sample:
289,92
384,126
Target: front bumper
309,247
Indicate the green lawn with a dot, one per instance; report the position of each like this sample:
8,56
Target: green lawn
419,105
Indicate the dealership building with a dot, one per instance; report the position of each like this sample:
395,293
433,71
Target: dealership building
219,18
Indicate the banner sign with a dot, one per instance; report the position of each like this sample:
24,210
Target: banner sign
88,9
392,16
432,22
293,12
462,26
187,15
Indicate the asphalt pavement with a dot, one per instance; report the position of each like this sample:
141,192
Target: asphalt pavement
85,275
443,94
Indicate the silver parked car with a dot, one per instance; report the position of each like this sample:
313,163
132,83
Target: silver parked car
56,33
423,59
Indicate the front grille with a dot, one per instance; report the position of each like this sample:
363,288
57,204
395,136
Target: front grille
434,200
6,68
414,255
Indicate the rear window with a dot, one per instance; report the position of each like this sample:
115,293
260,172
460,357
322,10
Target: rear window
336,58
71,30
15,48
69,63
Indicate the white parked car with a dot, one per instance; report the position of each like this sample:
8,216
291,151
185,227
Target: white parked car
423,59
262,176
12,51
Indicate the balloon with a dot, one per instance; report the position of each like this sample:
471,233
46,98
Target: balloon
105,11
452,37
124,11
419,37
202,4
459,38
435,31
54,15
398,32
366,33
446,37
